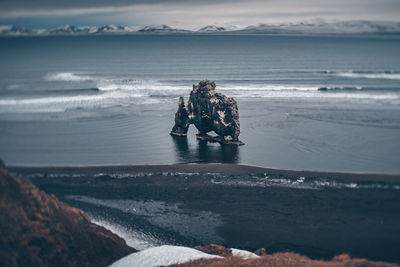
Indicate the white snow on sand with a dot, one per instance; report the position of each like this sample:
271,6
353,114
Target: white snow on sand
161,256
244,254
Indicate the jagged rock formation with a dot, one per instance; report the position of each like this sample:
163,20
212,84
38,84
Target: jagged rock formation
37,229
181,119
209,111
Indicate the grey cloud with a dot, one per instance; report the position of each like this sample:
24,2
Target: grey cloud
30,8
379,5
56,4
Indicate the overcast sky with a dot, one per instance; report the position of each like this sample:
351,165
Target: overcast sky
190,13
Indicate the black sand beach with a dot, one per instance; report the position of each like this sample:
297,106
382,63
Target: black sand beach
313,213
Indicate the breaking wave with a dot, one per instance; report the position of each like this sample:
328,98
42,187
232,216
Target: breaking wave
176,88
252,180
95,92
67,77
299,183
61,104
388,75
64,99
139,85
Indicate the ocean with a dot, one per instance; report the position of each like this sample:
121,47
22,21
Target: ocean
305,102
316,103
111,100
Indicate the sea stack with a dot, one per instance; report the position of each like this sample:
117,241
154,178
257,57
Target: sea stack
208,111
181,120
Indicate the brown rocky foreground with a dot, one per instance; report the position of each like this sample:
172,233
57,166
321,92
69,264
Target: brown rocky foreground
37,229
286,259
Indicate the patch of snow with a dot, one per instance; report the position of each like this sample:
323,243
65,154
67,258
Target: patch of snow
244,254
162,256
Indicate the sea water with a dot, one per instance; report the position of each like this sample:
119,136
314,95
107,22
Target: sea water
305,102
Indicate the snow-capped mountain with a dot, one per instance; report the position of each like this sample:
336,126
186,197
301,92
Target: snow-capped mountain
343,27
72,30
161,29
67,30
212,28
8,30
109,29
14,31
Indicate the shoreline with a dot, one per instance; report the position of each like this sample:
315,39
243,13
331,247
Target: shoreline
226,204
201,168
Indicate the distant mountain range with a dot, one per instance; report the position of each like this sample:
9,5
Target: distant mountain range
212,28
344,27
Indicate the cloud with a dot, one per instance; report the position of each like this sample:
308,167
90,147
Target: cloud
64,12
194,13
22,8
62,4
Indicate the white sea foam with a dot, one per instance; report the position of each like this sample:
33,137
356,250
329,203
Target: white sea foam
134,239
63,103
92,99
125,92
266,87
67,77
148,85
150,88
390,76
390,98
299,183
54,104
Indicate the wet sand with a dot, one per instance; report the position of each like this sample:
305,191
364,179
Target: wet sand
225,168
316,222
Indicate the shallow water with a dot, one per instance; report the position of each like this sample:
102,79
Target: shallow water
112,99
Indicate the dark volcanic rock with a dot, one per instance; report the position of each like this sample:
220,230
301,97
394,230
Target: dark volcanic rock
37,229
181,120
209,111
